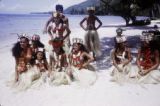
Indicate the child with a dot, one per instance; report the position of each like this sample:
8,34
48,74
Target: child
92,42
40,60
21,67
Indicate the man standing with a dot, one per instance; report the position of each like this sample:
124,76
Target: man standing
59,12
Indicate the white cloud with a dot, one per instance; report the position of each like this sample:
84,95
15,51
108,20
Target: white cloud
2,5
15,7
10,8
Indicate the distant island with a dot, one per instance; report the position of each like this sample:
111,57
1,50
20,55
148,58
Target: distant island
50,12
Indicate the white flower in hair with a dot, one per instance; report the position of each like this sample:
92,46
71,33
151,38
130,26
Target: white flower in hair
77,40
23,35
40,49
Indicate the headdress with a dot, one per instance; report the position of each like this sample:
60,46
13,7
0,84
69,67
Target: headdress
40,49
77,40
146,36
35,37
23,35
119,30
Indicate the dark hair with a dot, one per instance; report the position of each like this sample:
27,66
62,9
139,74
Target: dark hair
117,46
16,50
44,54
44,59
82,48
32,61
59,7
61,51
37,43
152,45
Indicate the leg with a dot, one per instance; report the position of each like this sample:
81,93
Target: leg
87,41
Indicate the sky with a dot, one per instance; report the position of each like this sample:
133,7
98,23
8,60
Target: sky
27,6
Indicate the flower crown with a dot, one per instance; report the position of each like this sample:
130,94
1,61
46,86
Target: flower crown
40,49
77,40
35,37
23,35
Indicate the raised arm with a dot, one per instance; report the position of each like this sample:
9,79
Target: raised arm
100,23
47,23
81,23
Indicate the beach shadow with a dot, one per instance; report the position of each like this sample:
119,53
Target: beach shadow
107,44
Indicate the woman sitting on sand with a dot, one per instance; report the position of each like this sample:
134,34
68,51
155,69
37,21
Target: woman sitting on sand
40,66
147,70
22,54
58,64
79,64
121,58
25,73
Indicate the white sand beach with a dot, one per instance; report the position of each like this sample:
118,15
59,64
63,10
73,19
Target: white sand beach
102,93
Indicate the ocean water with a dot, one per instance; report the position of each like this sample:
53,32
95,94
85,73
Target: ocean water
11,24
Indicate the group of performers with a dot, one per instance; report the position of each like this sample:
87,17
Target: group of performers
71,62
146,70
